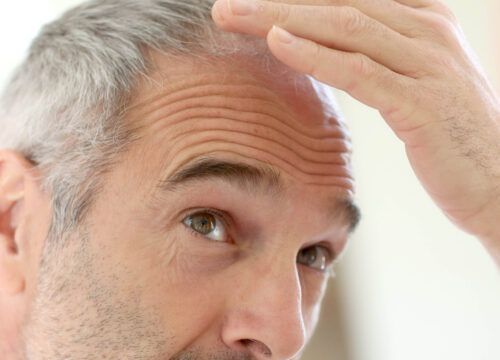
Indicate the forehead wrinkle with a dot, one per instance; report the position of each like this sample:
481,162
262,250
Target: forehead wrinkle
203,117
324,152
241,91
305,164
315,156
310,160
201,139
192,108
252,123
187,97
169,93
342,180
171,102
250,110
214,104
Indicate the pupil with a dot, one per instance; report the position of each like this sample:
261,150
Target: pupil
204,223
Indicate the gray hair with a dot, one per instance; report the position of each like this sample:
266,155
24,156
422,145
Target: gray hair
63,106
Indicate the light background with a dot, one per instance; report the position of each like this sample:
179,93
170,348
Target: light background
410,286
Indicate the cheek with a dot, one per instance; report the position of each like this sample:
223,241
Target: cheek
183,259
176,273
187,290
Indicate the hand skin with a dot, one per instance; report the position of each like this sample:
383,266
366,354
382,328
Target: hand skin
408,59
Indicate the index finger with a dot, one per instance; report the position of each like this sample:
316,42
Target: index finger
392,14
358,3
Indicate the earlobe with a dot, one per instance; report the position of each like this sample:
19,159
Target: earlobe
13,171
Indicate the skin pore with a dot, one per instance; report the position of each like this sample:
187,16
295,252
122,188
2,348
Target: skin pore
137,281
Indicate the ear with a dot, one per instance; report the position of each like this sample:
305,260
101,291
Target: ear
14,172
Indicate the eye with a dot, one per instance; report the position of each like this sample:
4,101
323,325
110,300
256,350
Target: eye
316,257
207,224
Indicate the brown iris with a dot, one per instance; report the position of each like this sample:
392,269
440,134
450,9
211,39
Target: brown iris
314,257
203,223
308,256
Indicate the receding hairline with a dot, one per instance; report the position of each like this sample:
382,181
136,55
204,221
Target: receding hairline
64,106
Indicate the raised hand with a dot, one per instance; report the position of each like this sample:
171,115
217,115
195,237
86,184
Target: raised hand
408,59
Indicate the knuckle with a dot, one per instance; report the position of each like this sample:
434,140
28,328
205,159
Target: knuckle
441,28
281,13
445,11
361,70
351,20
362,66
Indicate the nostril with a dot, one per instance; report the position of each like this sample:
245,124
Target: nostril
256,347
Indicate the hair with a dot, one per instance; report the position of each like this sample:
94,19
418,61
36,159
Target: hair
62,109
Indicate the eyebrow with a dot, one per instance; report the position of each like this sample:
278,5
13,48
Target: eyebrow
251,178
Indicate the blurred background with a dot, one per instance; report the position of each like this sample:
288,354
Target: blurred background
410,286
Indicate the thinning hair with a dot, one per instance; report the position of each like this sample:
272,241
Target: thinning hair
63,106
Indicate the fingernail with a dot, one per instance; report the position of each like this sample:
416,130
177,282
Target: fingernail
283,35
241,7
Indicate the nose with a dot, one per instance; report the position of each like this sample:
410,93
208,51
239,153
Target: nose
265,315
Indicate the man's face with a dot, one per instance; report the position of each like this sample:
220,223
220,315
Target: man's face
213,232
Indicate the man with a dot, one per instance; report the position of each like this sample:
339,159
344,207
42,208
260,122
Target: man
170,191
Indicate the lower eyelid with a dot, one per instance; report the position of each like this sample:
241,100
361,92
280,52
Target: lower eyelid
317,271
196,233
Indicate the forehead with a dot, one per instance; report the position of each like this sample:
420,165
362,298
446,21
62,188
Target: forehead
307,98
251,110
